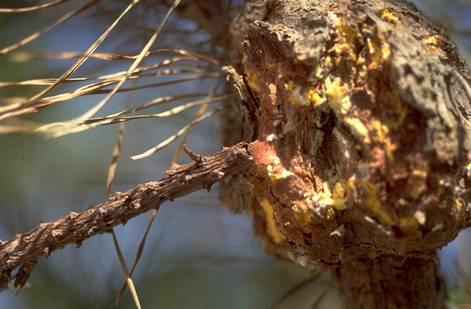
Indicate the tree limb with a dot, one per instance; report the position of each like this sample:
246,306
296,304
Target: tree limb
23,251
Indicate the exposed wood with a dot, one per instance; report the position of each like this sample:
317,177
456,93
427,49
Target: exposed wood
358,115
360,127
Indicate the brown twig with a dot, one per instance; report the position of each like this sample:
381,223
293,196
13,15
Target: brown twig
24,250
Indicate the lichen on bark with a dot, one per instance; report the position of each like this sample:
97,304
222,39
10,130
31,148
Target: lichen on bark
358,115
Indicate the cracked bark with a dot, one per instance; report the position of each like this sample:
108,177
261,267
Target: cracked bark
358,114
23,251
360,128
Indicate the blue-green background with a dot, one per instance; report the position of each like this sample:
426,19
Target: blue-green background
198,255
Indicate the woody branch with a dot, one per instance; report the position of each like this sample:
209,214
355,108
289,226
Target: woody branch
23,251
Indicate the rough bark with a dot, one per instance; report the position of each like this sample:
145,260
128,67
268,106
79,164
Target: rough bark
359,113
392,282
23,251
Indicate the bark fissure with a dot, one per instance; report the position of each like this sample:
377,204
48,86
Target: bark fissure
362,151
358,118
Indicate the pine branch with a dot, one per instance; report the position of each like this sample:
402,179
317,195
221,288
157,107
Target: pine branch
24,250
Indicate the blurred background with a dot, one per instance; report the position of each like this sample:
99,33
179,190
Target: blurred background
198,255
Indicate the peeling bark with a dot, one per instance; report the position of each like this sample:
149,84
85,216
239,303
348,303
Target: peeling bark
360,117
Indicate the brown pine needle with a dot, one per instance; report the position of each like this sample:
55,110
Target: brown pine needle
160,101
18,126
50,81
92,111
114,56
164,83
167,113
40,82
148,71
21,126
68,128
109,184
116,153
145,71
88,52
153,214
38,34
92,89
124,268
139,252
172,138
32,8
114,158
